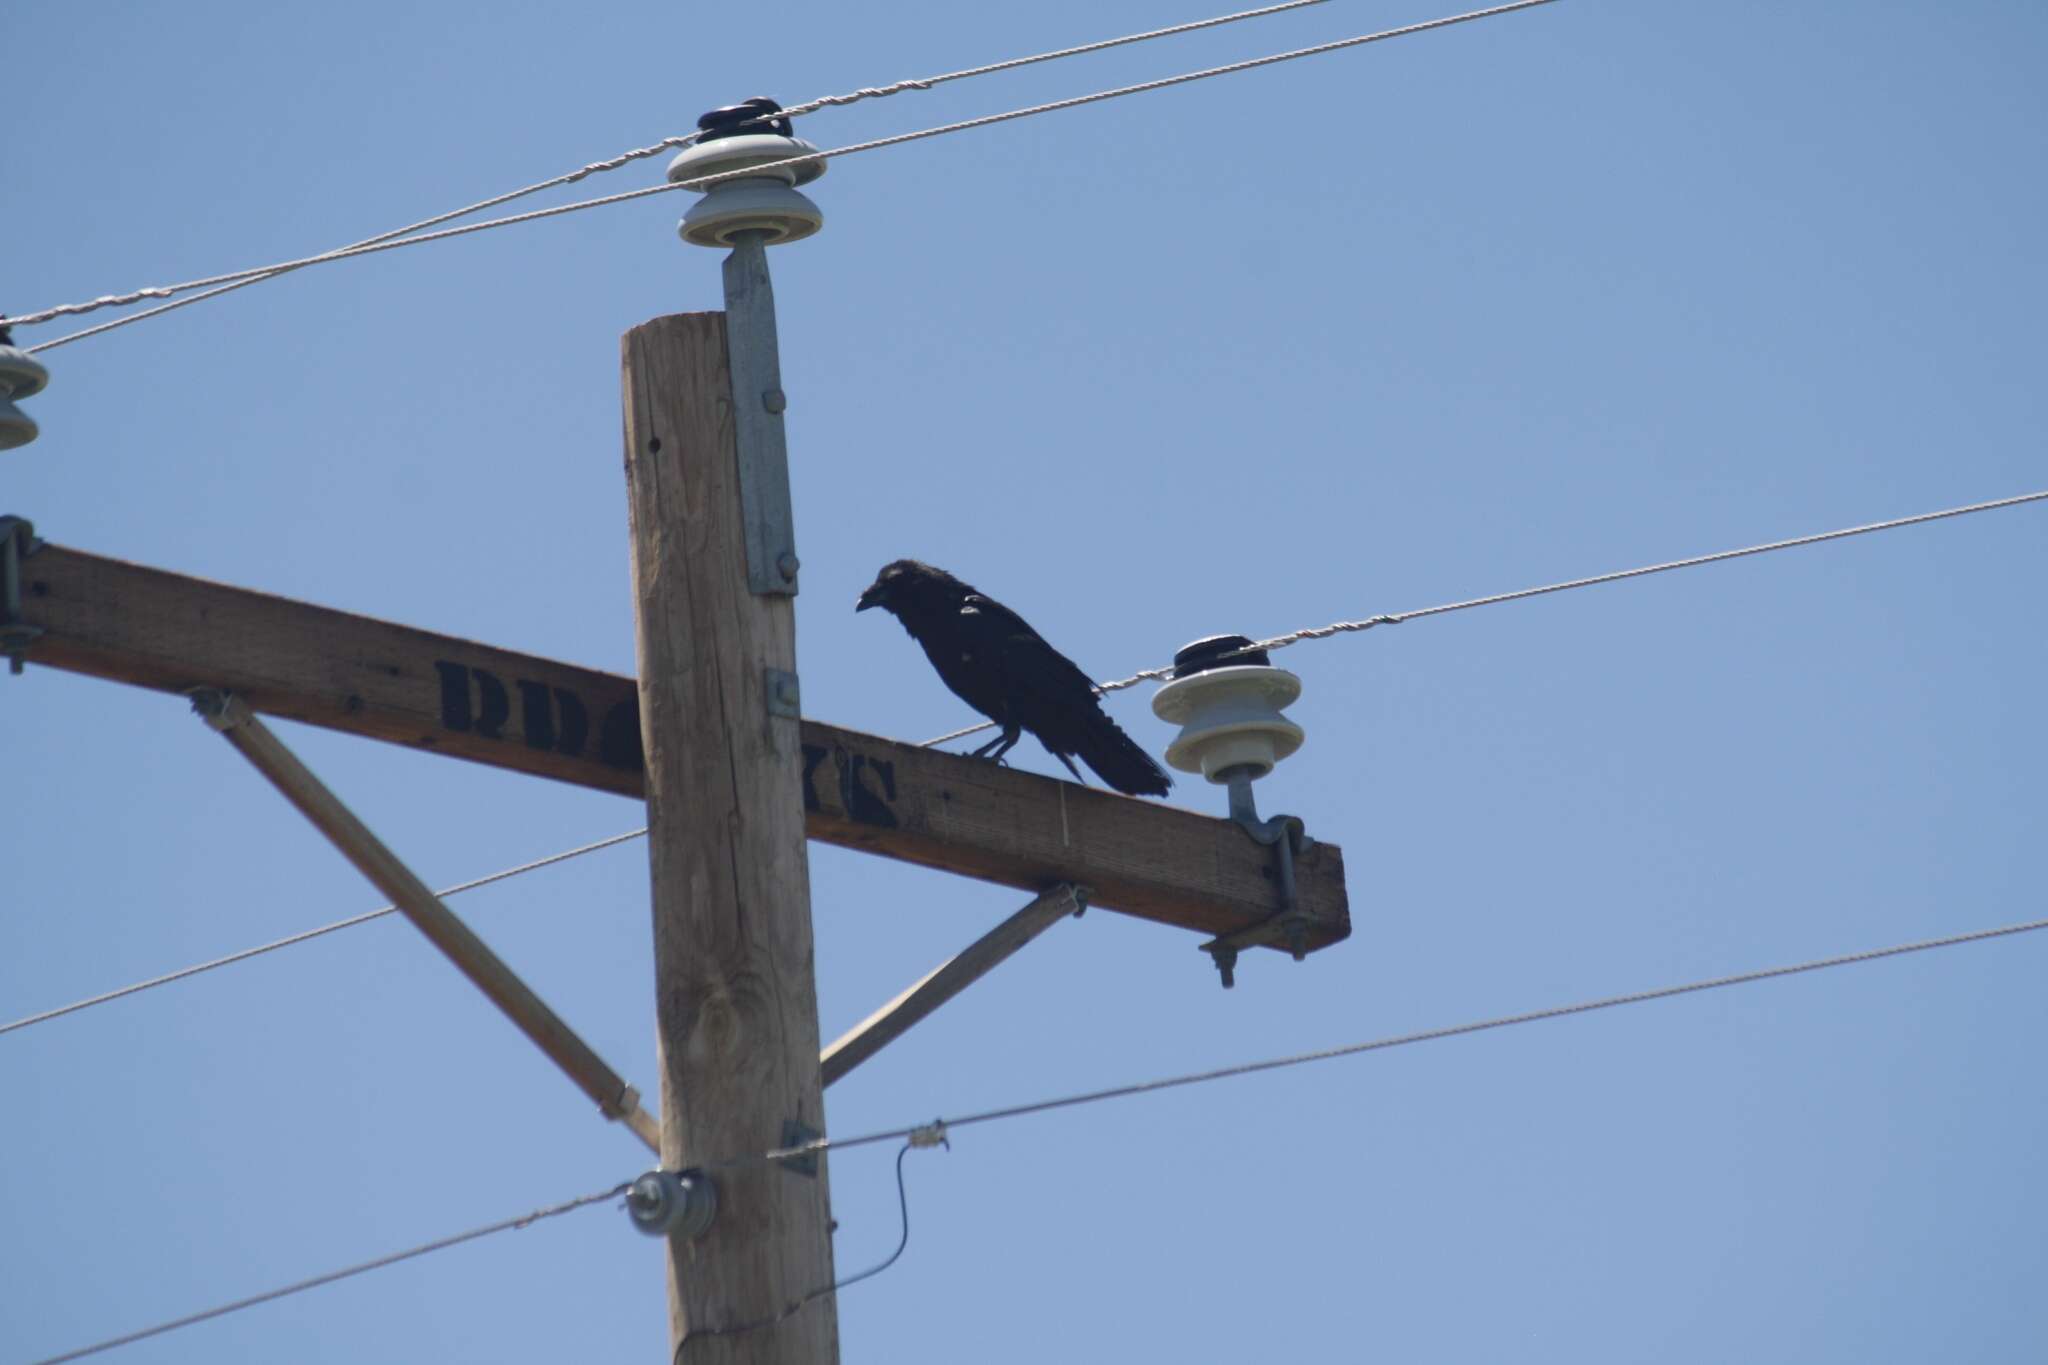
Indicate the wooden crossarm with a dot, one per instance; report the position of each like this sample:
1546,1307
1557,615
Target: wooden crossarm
447,695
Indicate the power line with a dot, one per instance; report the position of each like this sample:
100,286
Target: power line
1383,1044
288,941
389,243
1011,64
1165,672
677,143
929,1133
283,1291
239,277
922,1138
1276,642
1323,632
242,279
372,247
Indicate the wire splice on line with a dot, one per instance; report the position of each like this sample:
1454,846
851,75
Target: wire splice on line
308,934
910,1132
374,246
283,1291
1396,618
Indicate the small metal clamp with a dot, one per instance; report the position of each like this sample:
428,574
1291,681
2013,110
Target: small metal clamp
798,1134
785,694
17,542
672,1203
219,708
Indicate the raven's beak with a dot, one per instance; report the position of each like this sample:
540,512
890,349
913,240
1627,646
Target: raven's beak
872,597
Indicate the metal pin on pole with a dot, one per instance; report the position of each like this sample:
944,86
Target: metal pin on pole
758,402
749,214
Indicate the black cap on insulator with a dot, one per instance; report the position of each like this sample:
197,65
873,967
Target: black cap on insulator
1218,651
737,120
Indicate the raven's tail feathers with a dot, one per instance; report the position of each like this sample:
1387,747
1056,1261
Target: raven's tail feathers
1117,760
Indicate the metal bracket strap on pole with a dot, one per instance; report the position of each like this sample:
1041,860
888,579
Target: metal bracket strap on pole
1286,835
758,402
615,1099
17,542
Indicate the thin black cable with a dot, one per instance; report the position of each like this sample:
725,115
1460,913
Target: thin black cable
738,1329
442,1244
1381,1044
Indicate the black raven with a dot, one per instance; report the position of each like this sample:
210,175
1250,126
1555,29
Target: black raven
999,665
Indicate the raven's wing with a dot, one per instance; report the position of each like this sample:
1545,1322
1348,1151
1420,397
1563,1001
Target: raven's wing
1032,669
976,649
1053,699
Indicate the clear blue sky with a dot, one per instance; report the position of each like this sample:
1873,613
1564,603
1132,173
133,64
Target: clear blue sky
1568,291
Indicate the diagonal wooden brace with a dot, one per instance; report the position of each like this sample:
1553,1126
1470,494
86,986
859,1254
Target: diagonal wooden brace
615,1099
947,980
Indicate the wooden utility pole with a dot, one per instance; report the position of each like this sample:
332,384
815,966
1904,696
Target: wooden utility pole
735,996
734,779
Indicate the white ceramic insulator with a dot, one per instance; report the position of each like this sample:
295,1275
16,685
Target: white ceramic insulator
21,375
1230,718
769,202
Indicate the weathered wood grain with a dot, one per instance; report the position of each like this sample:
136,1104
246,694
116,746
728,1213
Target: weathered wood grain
735,996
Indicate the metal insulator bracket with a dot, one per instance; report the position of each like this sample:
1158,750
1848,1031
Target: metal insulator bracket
17,542
1287,836
761,445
